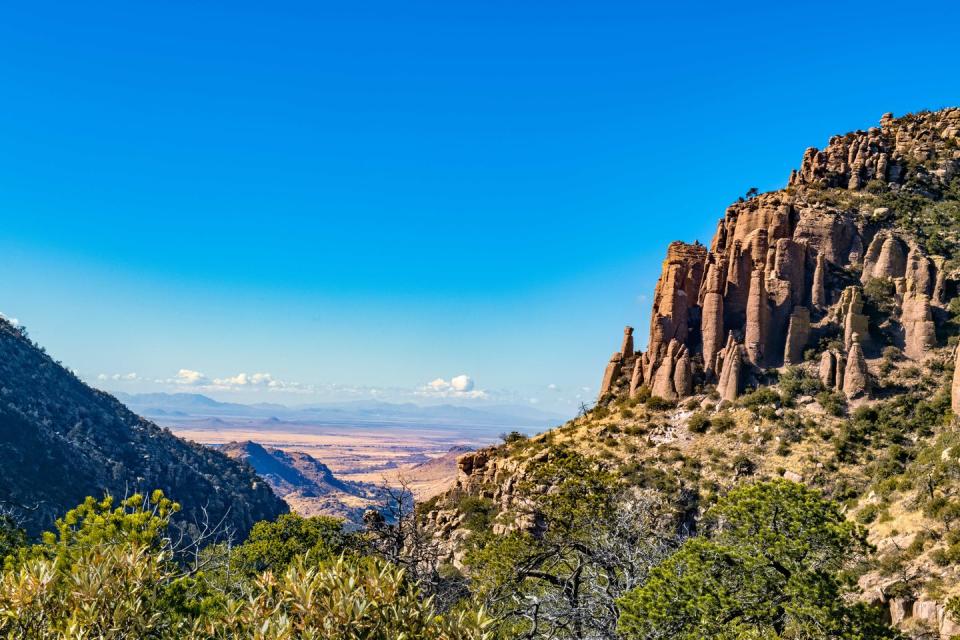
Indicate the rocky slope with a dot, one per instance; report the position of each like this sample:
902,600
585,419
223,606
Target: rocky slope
61,441
306,484
813,340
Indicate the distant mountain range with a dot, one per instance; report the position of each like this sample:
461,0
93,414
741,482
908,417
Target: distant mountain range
172,408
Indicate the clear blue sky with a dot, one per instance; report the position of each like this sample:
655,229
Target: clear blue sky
359,198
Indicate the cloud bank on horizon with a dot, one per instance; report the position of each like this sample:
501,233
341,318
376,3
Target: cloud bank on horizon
460,388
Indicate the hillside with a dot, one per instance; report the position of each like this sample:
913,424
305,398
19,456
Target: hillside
61,440
305,483
814,341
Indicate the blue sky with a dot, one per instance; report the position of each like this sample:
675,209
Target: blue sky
361,198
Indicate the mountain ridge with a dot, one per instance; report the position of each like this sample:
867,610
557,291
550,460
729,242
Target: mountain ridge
62,441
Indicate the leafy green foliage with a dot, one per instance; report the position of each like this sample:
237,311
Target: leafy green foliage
767,568
111,573
347,600
274,545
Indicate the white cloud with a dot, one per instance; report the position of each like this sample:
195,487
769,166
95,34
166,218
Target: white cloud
462,383
239,382
120,377
248,380
189,377
461,386
439,385
552,387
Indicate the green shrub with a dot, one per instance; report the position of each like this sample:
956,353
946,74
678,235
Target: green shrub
722,422
698,423
659,404
833,403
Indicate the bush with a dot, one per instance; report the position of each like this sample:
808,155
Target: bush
513,436
698,423
722,422
744,466
759,398
113,574
659,404
795,382
833,403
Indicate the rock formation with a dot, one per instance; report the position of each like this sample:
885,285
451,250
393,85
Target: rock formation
818,293
920,333
673,378
781,272
855,323
828,369
856,379
712,317
731,363
676,292
626,350
757,319
611,374
798,333
884,259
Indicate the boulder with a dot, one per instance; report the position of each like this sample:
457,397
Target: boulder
949,628
927,611
891,261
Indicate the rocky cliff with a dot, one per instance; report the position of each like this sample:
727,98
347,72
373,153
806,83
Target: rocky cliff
786,270
813,340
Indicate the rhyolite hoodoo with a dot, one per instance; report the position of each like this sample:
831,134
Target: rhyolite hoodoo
786,270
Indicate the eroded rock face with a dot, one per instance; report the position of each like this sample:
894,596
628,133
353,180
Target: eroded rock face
885,258
779,268
677,291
